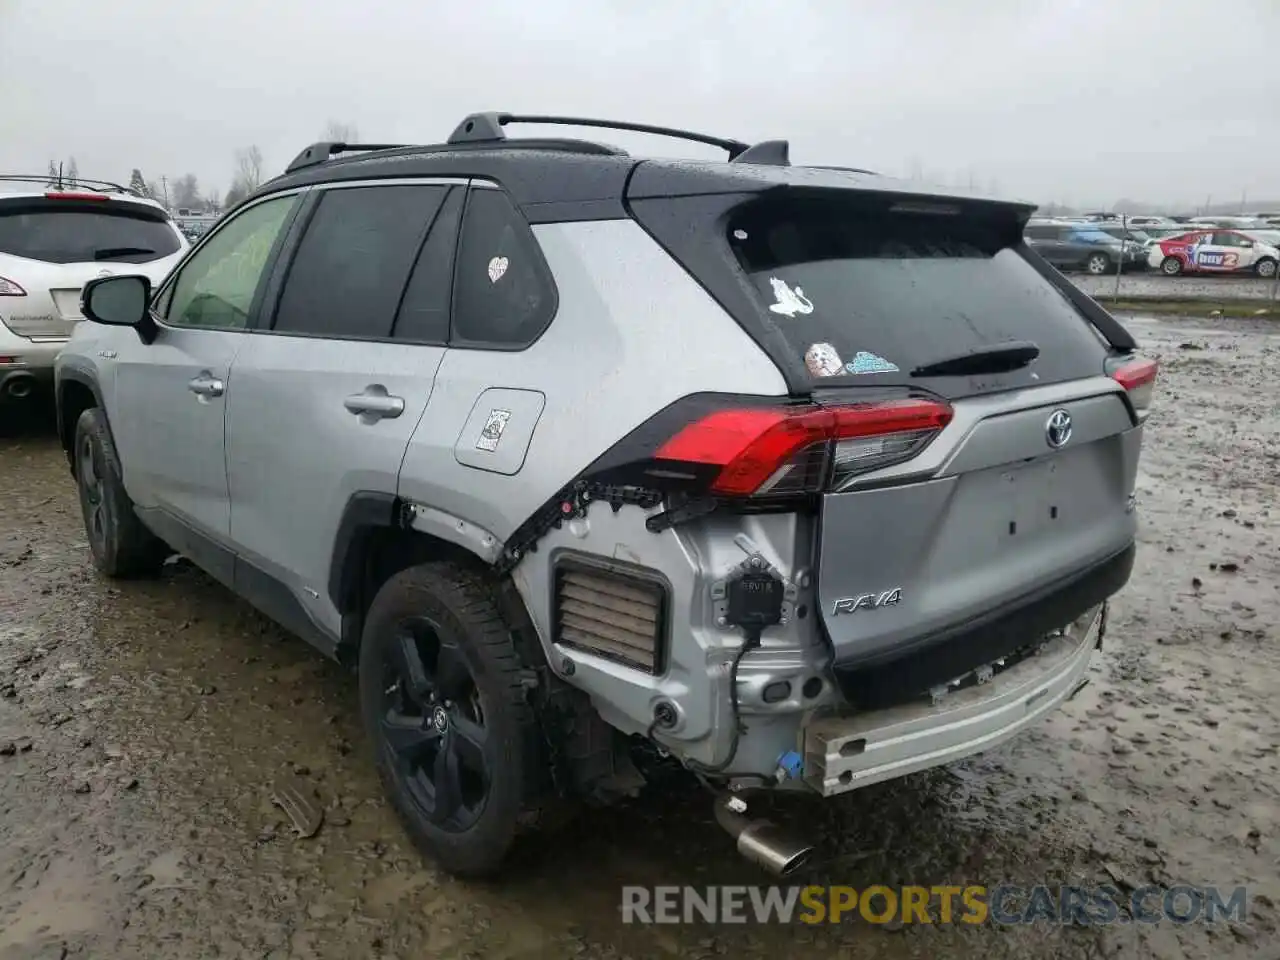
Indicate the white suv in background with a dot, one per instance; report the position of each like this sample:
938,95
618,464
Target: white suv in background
55,237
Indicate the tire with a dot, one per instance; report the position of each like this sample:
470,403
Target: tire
425,721
1097,264
1171,266
1266,267
121,546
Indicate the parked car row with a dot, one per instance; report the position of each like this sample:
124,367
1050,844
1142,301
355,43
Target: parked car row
1075,245
1099,247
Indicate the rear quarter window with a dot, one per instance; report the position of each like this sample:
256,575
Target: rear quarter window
866,296
68,231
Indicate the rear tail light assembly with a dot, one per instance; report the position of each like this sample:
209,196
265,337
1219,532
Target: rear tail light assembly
1138,377
786,451
10,289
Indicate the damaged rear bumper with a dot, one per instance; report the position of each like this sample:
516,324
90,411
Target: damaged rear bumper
844,753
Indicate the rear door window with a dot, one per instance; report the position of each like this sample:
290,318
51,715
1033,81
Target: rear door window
867,296
85,231
350,271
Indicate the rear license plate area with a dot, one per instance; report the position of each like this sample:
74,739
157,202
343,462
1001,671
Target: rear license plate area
1033,495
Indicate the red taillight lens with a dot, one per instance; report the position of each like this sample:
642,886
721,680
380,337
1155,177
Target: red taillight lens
73,195
1138,377
10,289
786,450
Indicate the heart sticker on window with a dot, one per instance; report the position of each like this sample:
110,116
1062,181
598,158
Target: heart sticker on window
497,267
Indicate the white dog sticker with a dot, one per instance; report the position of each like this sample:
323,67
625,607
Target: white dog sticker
822,360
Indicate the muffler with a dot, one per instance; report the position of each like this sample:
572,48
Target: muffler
761,842
19,387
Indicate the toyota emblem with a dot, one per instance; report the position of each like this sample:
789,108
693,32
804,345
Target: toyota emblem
1057,431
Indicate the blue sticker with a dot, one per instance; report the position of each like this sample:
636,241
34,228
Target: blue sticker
864,362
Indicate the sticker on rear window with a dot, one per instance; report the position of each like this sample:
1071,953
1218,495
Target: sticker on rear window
864,362
789,302
822,360
497,267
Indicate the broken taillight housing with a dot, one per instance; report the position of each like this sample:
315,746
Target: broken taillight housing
1138,377
767,452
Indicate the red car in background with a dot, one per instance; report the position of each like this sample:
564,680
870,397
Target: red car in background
1215,251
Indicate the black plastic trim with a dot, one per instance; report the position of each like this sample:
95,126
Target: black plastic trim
245,579
215,559
532,172
907,671
1112,330
72,372
365,511
273,598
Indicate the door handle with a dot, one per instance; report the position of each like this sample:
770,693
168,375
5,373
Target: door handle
374,404
207,386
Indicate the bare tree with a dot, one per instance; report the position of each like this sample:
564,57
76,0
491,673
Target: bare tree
338,132
248,176
73,172
186,192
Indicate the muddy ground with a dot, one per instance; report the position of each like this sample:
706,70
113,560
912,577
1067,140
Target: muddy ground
143,727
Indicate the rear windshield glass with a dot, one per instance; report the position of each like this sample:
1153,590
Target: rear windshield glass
870,296
74,233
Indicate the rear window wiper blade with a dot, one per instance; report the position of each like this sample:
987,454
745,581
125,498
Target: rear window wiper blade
996,358
106,253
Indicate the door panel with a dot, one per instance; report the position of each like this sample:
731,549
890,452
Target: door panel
310,423
169,400
170,395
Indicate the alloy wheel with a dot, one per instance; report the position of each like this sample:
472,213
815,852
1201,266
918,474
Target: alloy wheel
433,727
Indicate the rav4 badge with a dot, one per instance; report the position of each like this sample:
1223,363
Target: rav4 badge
868,601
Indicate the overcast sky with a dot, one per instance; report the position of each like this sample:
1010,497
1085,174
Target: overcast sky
1077,101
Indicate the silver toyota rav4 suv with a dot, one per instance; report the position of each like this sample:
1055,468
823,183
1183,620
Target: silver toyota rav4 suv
593,466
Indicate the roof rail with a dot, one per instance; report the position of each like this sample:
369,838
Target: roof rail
322,150
63,182
487,127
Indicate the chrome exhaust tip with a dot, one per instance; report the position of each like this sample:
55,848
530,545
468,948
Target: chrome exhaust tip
19,387
760,841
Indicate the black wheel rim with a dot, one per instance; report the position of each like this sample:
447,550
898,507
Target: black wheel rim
433,727
92,494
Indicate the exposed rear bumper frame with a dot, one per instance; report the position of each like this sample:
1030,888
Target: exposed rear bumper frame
845,753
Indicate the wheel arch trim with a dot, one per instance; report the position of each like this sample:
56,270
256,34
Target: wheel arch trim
85,377
369,510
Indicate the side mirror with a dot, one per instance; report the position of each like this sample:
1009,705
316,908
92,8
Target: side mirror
120,302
